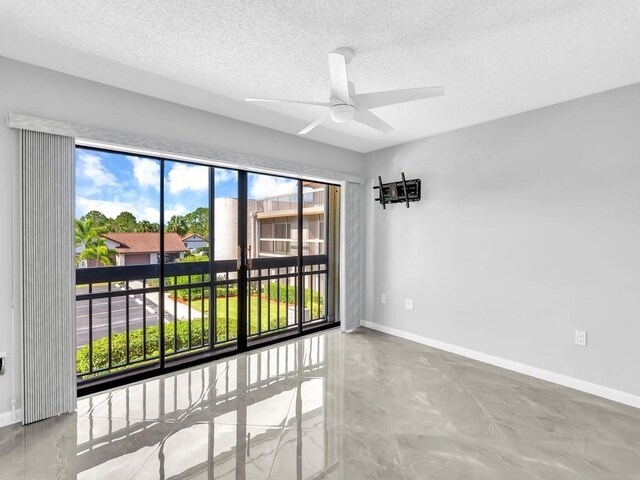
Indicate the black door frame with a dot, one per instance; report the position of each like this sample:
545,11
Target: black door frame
241,341
242,345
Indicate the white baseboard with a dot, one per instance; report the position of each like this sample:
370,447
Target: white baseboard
553,377
7,418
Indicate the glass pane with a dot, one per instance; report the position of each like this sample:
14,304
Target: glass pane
272,215
186,257
225,211
225,244
226,319
313,225
272,234
117,230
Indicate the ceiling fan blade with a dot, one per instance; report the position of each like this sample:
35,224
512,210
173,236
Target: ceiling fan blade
369,119
299,102
381,99
308,128
352,88
338,76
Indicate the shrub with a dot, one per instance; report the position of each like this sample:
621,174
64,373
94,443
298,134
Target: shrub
151,344
289,294
221,291
196,293
317,311
199,293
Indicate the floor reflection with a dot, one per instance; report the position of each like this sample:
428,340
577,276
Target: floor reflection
333,406
227,420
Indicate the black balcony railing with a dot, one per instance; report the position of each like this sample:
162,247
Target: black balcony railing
119,310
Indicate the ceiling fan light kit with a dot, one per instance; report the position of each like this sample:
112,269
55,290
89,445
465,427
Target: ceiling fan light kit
345,105
341,112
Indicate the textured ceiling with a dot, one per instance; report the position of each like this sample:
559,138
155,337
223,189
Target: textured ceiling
494,57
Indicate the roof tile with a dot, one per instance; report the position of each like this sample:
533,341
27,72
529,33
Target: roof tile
147,242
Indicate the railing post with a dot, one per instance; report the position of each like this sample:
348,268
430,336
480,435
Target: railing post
300,290
161,345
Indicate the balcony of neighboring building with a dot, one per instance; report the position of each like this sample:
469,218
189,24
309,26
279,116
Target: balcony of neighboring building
286,205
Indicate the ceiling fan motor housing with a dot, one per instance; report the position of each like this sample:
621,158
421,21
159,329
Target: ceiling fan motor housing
341,112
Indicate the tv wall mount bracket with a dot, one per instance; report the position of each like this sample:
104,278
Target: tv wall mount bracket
404,191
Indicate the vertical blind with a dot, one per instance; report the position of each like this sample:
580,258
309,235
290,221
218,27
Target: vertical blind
48,274
350,288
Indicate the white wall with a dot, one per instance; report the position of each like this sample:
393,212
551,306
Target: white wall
528,229
39,92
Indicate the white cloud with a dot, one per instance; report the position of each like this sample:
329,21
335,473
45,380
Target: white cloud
112,208
90,167
177,209
262,186
224,176
146,172
151,214
184,177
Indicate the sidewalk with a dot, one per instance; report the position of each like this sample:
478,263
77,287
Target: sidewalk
182,310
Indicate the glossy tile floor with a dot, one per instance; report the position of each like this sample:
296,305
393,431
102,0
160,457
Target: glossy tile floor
339,406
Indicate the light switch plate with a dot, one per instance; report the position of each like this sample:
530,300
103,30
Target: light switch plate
383,298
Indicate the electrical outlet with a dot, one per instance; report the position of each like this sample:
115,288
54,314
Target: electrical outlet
408,303
581,338
383,298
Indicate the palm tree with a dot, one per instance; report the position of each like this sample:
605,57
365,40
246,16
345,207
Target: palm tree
97,250
85,232
177,224
146,226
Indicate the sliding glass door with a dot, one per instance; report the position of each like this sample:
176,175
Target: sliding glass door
228,261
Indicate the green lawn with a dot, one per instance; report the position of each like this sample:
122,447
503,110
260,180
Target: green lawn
186,334
183,336
266,320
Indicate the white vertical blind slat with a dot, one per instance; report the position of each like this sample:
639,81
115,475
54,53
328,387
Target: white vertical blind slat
350,256
48,274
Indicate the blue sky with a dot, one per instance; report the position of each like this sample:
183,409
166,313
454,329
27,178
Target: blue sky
112,183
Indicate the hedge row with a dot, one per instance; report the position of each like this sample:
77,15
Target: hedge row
289,294
119,344
138,344
196,293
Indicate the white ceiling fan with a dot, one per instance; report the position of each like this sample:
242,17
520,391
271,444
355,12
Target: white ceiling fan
345,105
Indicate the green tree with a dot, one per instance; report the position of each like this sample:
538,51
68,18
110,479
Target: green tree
125,222
97,250
85,232
198,222
177,224
99,219
147,226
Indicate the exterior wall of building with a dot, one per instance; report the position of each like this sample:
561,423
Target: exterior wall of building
278,236
197,242
136,259
111,245
225,234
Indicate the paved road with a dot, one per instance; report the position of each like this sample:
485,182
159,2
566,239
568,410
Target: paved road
139,312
